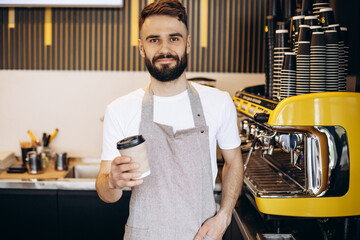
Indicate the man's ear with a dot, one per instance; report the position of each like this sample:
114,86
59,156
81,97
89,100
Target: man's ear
188,44
141,48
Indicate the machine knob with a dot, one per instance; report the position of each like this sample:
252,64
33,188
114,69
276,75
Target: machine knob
261,117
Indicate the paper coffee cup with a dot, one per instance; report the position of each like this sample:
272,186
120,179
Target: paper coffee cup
135,148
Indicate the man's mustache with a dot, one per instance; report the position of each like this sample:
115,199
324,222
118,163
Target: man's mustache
165,56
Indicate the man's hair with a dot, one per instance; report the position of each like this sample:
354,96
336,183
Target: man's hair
172,8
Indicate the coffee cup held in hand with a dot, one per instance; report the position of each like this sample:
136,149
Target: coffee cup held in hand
135,148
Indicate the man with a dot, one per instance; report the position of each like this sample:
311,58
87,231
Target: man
182,123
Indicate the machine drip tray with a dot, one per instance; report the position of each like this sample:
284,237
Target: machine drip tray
274,236
265,179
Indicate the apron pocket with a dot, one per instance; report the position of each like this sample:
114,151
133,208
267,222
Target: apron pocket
132,233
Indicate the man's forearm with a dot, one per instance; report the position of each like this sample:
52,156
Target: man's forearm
104,191
232,180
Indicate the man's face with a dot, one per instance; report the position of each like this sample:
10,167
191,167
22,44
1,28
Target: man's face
164,43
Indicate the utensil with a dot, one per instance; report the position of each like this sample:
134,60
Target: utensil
61,161
33,163
34,140
53,135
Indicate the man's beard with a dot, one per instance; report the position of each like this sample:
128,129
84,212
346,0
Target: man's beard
166,73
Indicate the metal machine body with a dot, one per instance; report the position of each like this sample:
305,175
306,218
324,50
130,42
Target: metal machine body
304,153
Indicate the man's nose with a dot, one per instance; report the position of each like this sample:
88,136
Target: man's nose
164,47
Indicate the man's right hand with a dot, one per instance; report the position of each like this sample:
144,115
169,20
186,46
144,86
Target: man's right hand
120,175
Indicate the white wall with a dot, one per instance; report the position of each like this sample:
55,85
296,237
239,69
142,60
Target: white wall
74,102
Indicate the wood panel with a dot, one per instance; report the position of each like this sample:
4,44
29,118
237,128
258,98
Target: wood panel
99,39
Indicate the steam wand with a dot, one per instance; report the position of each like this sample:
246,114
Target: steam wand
253,147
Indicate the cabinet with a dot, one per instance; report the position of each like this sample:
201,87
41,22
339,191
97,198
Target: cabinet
82,215
66,214
60,214
233,231
26,213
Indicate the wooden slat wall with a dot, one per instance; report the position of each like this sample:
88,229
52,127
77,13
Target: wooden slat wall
99,39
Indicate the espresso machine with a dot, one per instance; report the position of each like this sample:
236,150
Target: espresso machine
302,155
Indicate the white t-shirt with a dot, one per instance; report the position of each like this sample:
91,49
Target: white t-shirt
122,119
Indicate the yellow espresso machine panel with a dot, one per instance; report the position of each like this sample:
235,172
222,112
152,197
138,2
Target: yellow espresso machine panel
338,110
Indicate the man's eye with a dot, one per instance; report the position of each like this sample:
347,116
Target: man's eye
174,39
154,40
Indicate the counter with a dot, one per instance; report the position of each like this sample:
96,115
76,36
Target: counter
51,179
62,204
81,175
59,204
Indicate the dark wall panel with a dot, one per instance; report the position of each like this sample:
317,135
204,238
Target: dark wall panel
99,39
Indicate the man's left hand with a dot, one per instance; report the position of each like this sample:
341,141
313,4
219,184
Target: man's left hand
214,227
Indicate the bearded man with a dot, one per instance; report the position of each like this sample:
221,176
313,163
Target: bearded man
182,124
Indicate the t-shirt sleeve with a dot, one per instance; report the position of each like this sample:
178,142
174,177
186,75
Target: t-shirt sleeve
228,133
112,133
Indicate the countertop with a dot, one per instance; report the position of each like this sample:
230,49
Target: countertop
49,179
57,180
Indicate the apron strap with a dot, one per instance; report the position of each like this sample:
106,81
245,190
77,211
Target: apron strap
196,106
147,109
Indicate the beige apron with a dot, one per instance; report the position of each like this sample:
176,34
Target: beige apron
175,200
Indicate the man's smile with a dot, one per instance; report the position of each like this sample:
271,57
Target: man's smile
165,60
